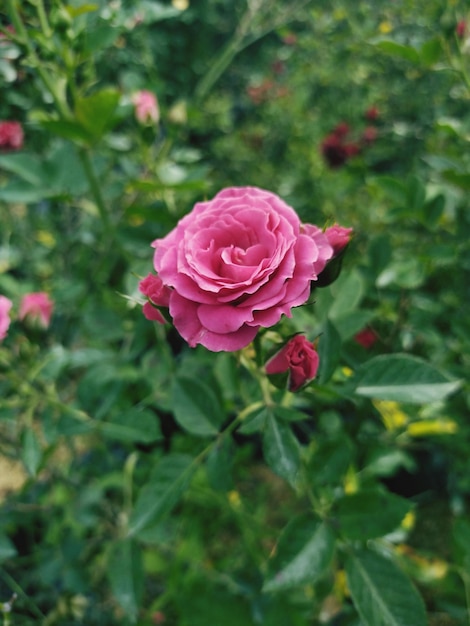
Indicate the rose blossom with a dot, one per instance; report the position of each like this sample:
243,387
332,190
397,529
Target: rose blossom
5,306
299,358
158,295
237,263
37,307
146,107
11,136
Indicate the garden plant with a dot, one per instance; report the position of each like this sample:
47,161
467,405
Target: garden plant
234,329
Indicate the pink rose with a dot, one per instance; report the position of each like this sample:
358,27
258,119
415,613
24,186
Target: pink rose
11,136
158,295
236,263
5,306
37,307
146,107
299,358
338,237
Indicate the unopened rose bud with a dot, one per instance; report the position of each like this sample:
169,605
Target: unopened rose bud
366,338
146,107
338,237
158,295
36,308
299,359
11,136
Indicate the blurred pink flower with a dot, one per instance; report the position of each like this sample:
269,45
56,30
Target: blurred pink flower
146,107
461,29
11,136
37,307
369,135
158,295
5,306
299,358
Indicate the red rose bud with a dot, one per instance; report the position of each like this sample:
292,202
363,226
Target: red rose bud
36,308
11,136
158,295
366,338
299,358
461,29
372,114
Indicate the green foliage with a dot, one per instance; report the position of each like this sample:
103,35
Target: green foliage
145,482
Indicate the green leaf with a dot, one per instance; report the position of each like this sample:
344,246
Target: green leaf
207,604
219,465
196,407
369,514
24,193
31,453
68,130
330,461
329,349
168,481
402,378
431,51
7,549
26,166
96,112
151,11
289,414
281,449
406,273
399,50
461,539
126,576
351,323
348,291
433,210
382,594
304,551
134,425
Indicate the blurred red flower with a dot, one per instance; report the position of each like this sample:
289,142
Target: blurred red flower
11,136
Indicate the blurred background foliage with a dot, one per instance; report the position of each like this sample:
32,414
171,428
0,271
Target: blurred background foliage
90,414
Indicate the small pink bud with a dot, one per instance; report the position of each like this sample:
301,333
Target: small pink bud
299,358
146,107
158,295
338,237
37,308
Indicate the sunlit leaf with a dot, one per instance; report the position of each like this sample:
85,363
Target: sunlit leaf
402,378
303,553
382,594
